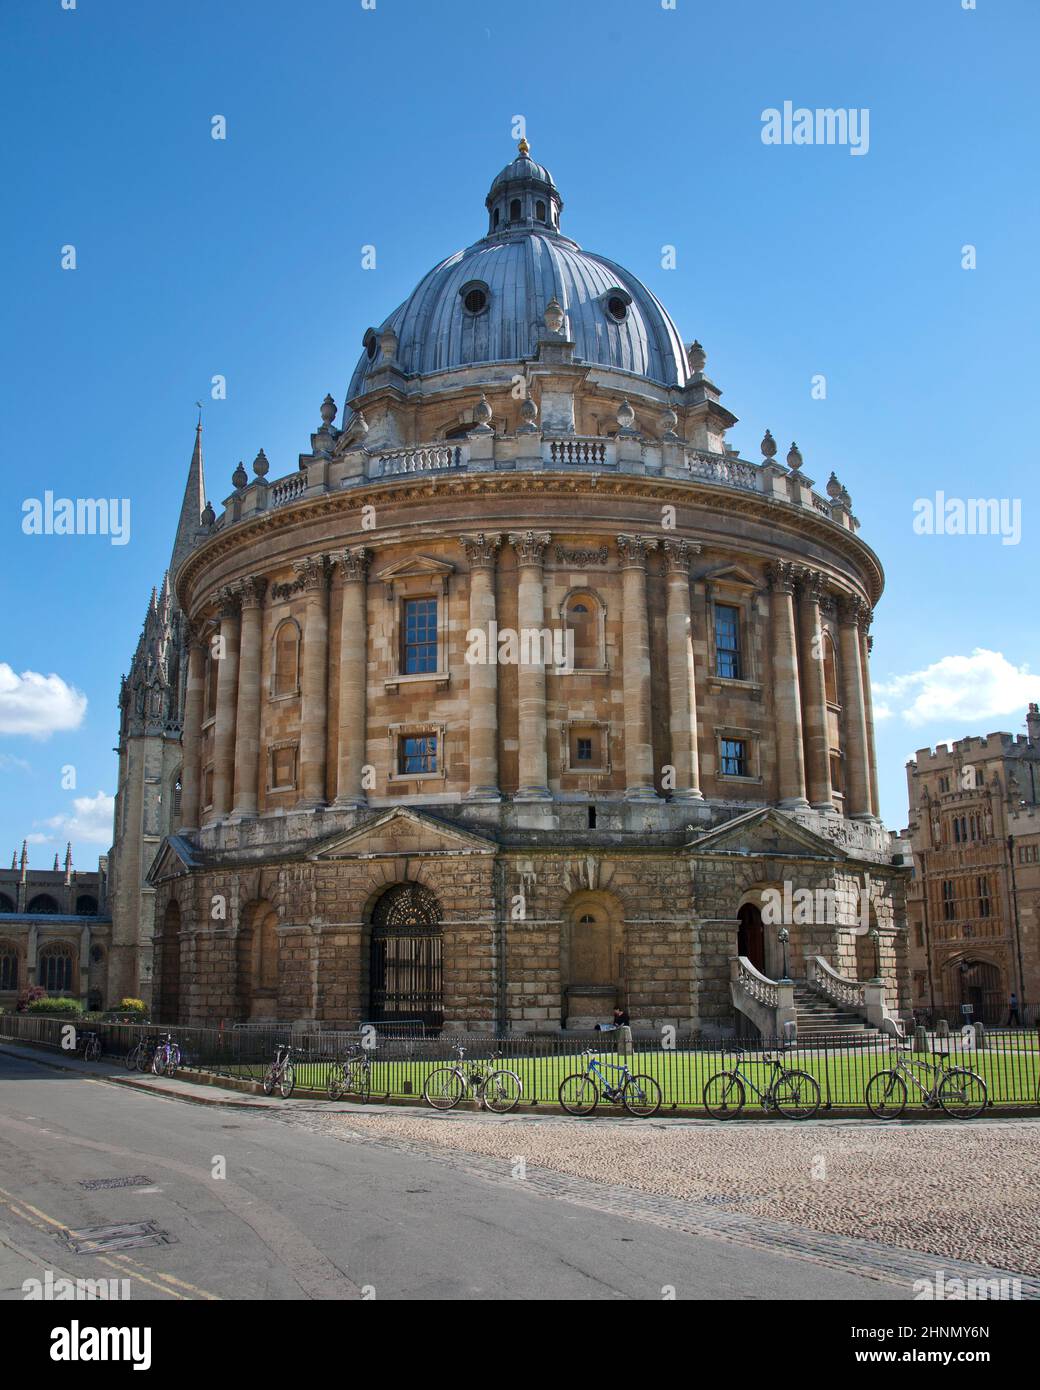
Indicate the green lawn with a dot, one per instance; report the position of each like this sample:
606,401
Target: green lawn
1011,1075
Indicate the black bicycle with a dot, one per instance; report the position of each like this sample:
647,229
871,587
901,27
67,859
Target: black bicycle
794,1094
281,1072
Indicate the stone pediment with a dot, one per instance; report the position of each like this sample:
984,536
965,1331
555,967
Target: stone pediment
766,831
402,832
417,567
174,857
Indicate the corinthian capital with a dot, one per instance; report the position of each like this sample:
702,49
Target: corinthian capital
634,549
481,550
810,584
853,610
229,601
678,554
353,564
253,590
529,546
781,576
313,572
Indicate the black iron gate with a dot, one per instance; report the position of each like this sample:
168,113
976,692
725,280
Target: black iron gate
406,965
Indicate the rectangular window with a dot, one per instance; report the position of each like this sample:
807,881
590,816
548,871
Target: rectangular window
419,652
727,643
734,757
919,934
584,751
836,782
417,754
207,787
283,768
948,905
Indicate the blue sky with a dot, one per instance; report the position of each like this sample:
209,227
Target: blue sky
348,126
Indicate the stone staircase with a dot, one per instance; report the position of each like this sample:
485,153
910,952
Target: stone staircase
821,1021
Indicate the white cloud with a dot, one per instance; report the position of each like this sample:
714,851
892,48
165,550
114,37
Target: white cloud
91,820
38,705
966,690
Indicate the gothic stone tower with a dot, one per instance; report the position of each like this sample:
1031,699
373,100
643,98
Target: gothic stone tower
151,707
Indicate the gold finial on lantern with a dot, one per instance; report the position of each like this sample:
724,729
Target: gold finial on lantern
523,146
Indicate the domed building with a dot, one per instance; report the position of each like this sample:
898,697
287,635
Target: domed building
524,695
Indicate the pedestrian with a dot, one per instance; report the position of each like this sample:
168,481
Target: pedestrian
1013,1019
621,1018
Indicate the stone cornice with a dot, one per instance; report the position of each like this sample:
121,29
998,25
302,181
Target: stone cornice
707,498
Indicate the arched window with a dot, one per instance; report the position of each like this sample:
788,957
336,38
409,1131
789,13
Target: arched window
514,210
494,220
405,956
539,211
830,670
54,969
581,617
44,903
285,672
86,906
6,903
265,947
8,965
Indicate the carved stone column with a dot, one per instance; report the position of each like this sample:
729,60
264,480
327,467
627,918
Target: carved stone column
682,689
635,668
247,724
191,736
857,802
227,700
314,701
353,678
866,643
787,700
814,690
534,766
481,551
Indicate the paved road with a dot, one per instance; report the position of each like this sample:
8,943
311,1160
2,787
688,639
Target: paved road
303,1215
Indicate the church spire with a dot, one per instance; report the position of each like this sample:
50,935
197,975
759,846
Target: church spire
192,506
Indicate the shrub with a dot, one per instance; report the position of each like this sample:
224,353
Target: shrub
28,996
132,1006
70,1008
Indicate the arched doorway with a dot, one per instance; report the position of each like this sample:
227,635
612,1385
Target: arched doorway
406,974
592,959
170,966
980,984
257,960
751,937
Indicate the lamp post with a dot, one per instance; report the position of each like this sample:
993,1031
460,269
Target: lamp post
784,936
875,936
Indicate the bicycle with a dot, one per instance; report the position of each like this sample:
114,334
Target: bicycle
580,1092
794,1094
281,1072
140,1055
957,1090
90,1046
352,1076
499,1089
167,1056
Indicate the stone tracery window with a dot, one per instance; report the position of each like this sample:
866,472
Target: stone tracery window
54,968
8,965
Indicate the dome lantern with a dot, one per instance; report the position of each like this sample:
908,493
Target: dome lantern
522,195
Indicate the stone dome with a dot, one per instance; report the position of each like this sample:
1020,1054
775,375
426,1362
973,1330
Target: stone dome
486,304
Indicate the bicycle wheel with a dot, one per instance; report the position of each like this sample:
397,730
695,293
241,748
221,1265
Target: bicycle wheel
92,1051
145,1059
797,1095
287,1081
963,1093
360,1082
131,1057
159,1061
886,1095
641,1095
444,1088
335,1085
579,1094
501,1091
724,1095
270,1077
173,1059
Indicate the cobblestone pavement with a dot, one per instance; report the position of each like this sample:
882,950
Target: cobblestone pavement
896,1202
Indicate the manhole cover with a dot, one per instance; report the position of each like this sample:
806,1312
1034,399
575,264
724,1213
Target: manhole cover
97,1184
121,1235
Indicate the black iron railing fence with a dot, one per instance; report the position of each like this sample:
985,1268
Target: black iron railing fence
1008,1060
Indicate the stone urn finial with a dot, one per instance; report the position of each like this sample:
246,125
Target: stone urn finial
482,414
794,457
260,465
698,358
669,420
626,417
240,477
209,516
528,417
833,488
388,344
554,315
768,446
328,412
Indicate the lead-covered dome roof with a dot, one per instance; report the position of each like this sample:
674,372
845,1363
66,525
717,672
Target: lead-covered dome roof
486,304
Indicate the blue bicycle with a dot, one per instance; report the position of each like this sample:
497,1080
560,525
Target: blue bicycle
581,1091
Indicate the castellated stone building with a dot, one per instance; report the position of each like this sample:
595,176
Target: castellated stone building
521,697
973,906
